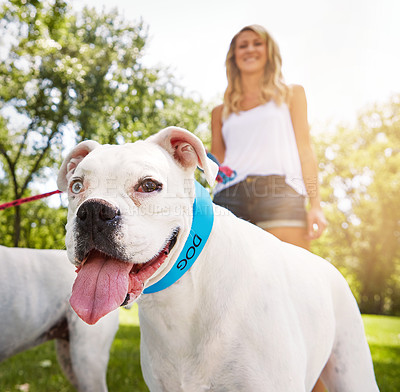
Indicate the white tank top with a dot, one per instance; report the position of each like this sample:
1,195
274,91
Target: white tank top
261,141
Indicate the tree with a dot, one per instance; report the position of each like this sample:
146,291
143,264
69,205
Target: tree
361,183
68,77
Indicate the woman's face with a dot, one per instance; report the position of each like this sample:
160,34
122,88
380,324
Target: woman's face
250,52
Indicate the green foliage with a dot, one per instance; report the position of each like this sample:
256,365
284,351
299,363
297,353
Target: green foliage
68,77
42,227
360,188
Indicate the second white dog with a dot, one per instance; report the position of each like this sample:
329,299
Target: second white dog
223,305
35,286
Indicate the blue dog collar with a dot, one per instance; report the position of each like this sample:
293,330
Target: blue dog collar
202,223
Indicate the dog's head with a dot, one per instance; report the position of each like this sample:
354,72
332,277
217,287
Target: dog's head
130,211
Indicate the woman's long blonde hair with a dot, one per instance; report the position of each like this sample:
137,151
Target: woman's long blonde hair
273,85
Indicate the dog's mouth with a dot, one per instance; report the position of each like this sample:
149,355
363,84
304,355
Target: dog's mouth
104,283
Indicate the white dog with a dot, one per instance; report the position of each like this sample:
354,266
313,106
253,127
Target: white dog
223,305
35,286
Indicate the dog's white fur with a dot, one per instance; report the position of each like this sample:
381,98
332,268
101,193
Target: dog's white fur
35,286
252,314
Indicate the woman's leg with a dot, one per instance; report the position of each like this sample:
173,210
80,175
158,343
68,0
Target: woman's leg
296,236
292,235
319,386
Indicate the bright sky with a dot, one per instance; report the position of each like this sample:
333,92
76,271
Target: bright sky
344,52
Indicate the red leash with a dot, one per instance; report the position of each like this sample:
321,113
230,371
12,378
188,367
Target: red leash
27,200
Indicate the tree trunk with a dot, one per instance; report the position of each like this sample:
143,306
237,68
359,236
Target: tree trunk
17,226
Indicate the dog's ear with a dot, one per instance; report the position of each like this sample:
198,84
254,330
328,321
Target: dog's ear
72,160
187,149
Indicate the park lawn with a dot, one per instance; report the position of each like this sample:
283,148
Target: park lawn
383,334
37,370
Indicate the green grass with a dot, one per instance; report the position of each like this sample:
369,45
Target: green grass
37,370
383,334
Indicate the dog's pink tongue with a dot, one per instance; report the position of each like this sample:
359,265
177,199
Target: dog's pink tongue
100,287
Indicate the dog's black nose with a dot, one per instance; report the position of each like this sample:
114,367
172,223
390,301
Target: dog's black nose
98,226
97,212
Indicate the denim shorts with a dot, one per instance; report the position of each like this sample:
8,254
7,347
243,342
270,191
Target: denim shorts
267,201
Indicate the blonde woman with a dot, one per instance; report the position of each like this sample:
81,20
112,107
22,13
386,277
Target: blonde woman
261,132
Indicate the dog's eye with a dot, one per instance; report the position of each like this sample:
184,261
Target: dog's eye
77,187
148,186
